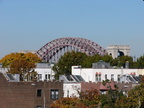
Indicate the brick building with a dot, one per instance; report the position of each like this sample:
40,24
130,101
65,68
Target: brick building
35,94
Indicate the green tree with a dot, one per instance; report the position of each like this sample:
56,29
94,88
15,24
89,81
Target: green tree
136,96
133,99
66,61
121,61
109,99
123,102
107,58
134,65
140,62
87,63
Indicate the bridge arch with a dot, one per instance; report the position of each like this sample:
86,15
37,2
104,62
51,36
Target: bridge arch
53,50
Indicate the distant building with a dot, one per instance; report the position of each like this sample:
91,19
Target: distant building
118,50
15,94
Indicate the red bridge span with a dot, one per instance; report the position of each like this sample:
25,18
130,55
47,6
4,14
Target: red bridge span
52,51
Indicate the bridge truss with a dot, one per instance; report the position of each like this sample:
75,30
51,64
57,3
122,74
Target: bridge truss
52,51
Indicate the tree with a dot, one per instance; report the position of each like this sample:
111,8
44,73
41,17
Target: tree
24,68
109,99
121,61
140,62
87,63
133,99
66,61
67,102
123,102
107,58
88,99
134,65
142,79
30,57
136,96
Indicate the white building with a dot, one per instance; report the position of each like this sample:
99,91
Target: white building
72,85
71,89
98,75
44,71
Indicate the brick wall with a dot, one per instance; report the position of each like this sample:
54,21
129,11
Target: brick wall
24,94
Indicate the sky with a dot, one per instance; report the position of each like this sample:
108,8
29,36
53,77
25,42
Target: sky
30,24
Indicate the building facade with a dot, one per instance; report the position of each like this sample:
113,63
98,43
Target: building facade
98,75
29,94
44,71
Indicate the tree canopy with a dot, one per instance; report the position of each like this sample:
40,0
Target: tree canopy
121,61
24,68
21,63
87,63
88,99
67,60
140,62
8,59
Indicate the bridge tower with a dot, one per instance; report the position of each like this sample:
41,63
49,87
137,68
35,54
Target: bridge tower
118,50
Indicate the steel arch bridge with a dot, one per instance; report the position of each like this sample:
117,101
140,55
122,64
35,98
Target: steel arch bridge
53,50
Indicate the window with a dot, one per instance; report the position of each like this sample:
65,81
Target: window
39,76
54,94
46,76
96,78
49,76
69,78
78,78
112,77
105,76
67,93
99,77
39,93
39,106
118,78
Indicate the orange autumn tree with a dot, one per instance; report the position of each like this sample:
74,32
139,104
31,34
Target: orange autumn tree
67,102
24,68
90,98
30,57
21,63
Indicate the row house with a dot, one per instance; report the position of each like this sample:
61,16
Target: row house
100,74
33,94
